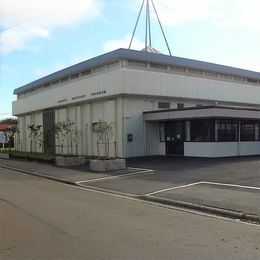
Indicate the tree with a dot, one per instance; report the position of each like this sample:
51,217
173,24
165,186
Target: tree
104,134
9,121
67,129
35,134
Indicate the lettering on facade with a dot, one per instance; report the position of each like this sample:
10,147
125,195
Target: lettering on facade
98,93
62,101
78,97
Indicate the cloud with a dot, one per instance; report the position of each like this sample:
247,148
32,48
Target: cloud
40,72
232,13
21,21
123,43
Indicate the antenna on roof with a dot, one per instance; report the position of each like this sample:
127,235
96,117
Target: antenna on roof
148,34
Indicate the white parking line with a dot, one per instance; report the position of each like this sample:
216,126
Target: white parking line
204,182
117,176
141,169
231,185
174,188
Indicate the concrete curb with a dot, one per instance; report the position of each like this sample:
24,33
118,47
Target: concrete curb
39,175
208,209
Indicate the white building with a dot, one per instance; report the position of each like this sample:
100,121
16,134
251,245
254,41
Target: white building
158,104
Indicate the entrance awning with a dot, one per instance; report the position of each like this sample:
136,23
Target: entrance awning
203,112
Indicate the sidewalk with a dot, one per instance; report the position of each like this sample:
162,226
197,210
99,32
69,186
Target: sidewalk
67,175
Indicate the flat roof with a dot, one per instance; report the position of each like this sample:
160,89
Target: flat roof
138,56
214,111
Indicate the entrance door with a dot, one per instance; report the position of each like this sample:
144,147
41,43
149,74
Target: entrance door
174,137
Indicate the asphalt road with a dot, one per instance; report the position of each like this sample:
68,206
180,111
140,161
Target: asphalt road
43,219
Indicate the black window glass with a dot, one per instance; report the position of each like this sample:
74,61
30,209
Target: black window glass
227,130
202,130
247,131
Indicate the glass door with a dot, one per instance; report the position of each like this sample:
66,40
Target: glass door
174,137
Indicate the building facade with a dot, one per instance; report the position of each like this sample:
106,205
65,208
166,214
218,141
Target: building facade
157,105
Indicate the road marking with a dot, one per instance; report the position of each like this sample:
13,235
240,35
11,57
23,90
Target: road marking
141,169
231,185
117,176
180,209
174,188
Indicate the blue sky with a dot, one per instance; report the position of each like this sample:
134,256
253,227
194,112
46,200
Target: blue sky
43,36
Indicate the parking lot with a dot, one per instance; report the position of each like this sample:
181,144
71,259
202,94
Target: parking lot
231,184
227,183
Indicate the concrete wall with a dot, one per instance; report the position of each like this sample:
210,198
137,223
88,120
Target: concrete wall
221,149
83,116
70,93
191,87
23,141
139,82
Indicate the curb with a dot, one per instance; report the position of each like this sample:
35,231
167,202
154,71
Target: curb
39,175
208,209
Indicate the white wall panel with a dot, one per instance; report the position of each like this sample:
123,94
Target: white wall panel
249,148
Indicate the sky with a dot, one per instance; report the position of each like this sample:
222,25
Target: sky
40,37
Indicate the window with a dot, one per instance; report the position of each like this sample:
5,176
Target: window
258,131
237,78
100,69
211,74
163,105
158,66
56,82
225,76
249,80
177,69
162,131
180,105
202,130
137,64
64,79
113,65
86,72
227,130
75,76
195,71
247,131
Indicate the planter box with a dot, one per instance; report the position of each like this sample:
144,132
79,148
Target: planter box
107,165
70,161
4,156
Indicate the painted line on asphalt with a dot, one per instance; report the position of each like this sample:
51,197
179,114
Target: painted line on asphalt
116,176
141,169
231,185
180,209
174,188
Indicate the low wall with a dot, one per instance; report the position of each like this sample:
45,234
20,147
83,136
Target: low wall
221,149
249,148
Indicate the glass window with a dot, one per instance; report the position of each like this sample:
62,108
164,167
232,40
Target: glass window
227,130
86,72
202,130
257,129
74,76
64,79
180,105
162,131
247,131
163,105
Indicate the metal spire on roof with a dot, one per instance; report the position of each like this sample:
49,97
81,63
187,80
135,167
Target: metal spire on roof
148,33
